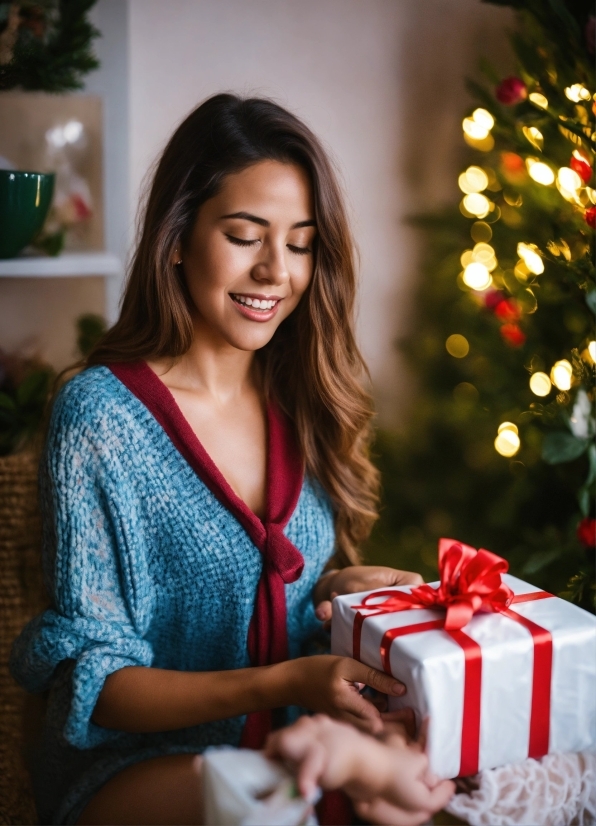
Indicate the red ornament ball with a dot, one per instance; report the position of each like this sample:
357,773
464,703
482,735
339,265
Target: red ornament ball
586,532
590,217
512,335
511,90
580,165
507,310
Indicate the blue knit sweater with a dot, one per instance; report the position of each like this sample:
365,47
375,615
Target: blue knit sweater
145,567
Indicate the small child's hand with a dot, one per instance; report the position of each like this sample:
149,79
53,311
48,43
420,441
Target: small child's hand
389,781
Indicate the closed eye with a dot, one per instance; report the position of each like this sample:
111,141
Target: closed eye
241,242
299,250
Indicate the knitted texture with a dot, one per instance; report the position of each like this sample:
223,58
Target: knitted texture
145,567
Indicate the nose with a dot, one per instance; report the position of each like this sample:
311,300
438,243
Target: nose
272,267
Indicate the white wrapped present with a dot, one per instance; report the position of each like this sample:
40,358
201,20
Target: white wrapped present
242,787
503,670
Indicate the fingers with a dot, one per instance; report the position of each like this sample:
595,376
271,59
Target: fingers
441,795
323,611
311,769
379,811
384,683
404,718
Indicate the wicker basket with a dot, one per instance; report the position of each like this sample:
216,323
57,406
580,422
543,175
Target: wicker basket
21,597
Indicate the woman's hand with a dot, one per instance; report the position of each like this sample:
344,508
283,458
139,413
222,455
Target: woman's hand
357,578
331,685
389,782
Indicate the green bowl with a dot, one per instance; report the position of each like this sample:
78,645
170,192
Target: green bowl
25,198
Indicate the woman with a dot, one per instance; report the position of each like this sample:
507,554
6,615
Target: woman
200,475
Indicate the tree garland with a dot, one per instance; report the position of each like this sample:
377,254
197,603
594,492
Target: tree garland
46,45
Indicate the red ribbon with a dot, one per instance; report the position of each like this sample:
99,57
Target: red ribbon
462,567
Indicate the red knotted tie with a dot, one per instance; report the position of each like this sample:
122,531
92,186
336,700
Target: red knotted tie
282,561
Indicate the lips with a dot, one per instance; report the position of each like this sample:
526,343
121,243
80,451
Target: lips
256,307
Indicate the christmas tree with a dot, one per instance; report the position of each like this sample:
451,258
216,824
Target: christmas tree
500,452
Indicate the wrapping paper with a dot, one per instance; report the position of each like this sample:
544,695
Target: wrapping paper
242,787
528,703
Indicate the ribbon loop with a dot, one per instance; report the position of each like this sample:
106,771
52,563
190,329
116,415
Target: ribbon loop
470,582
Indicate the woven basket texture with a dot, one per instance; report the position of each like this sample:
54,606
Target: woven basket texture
21,597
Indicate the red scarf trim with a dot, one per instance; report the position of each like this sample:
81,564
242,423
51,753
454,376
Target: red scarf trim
282,561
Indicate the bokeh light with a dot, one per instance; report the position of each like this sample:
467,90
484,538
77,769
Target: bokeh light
474,179
577,92
592,350
481,231
507,442
476,204
457,346
534,136
540,384
540,172
538,100
474,130
477,277
484,118
528,253
562,374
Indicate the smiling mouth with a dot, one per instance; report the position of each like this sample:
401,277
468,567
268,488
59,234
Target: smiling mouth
260,305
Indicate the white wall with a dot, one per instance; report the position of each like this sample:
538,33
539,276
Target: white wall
380,81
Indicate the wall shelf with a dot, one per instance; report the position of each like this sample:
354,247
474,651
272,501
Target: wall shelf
68,264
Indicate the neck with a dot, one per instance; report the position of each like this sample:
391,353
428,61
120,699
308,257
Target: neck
211,366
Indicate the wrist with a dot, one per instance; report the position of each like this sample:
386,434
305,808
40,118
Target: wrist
279,686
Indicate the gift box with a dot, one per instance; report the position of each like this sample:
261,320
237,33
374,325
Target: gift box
503,670
242,787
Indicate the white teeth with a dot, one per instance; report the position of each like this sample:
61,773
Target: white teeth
256,303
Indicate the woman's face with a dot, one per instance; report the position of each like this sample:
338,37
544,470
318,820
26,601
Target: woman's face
249,258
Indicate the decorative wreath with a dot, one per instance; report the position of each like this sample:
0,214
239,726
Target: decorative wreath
46,45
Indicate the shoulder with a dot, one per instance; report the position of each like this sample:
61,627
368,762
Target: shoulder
93,408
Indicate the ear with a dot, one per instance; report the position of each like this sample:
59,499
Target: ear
176,257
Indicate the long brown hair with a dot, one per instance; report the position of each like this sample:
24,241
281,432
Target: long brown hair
311,366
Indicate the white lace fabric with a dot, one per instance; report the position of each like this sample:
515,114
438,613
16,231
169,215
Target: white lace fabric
557,790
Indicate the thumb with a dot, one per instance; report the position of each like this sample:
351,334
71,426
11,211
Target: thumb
384,683
323,610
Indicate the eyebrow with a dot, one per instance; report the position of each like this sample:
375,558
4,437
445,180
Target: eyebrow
247,216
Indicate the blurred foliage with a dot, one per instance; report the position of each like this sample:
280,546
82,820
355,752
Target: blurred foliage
46,45
26,387
90,328
443,476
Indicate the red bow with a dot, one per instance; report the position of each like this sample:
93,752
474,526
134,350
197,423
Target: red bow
470,582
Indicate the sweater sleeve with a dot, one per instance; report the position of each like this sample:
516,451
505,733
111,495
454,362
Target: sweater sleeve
94,564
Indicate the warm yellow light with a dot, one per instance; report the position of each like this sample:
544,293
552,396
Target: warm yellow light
466,258
507,442
477,277
474,129
534,136
530,257
540,384
568,178
477,204
484,118
540,172
483,252
457,346
507,426
538,100
480,231
561,374
474,179
577,92
592,350
520,271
